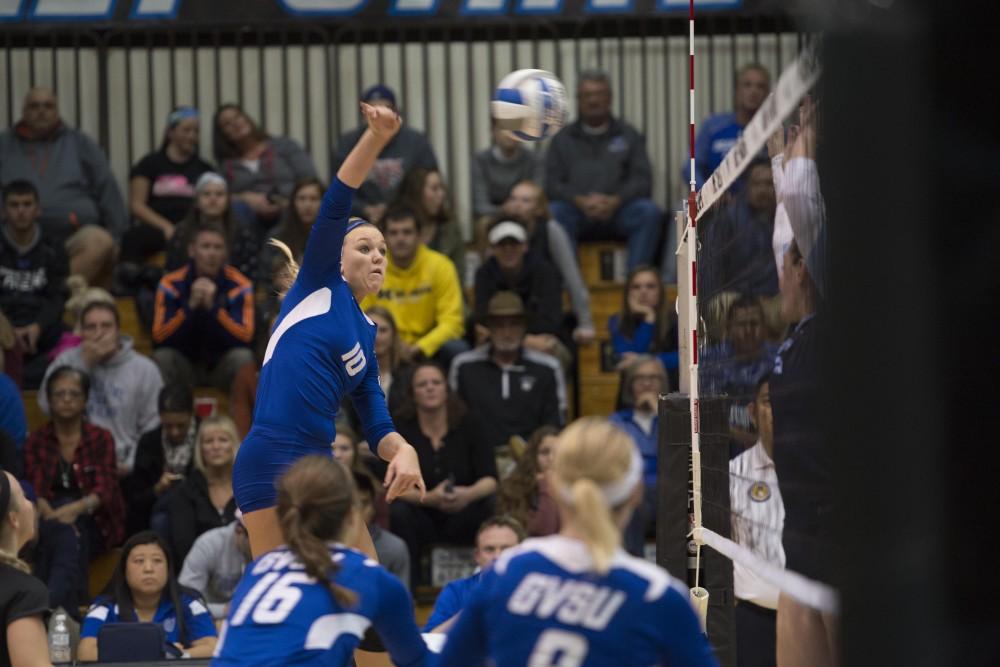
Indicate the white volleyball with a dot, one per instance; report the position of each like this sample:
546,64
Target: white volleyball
530,104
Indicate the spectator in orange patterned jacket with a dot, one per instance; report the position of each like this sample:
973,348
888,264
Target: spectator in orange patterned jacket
204,319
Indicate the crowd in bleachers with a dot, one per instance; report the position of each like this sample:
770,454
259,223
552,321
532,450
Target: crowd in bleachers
475,363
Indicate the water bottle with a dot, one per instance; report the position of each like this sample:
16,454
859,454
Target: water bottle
59,650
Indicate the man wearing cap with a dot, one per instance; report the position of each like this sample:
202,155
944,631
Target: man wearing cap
82,205
510,268
511,389
407,150
421,290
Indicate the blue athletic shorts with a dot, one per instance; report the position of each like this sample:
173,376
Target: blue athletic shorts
263,457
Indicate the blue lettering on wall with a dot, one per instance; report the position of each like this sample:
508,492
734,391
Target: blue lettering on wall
601,6
10,10
676,5
483,7
322,7
538,7
413,7
104,10
72,10
155,9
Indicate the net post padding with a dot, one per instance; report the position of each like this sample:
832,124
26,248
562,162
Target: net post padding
673,475
674,524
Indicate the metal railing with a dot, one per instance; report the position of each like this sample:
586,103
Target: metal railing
303,80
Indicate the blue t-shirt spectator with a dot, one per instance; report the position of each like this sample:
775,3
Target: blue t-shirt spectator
723,373
717,135
645,441
197,618
641,342
452,599
12,419
737,254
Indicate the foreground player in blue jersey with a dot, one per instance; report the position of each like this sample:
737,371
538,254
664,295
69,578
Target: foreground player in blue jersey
576,599
311,602
322,349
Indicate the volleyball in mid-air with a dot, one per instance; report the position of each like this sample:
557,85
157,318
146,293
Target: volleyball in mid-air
530,104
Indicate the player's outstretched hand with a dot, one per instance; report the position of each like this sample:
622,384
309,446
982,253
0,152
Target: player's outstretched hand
404,474
382,121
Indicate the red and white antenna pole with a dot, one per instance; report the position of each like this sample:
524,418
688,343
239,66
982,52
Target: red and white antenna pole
699,595
692,263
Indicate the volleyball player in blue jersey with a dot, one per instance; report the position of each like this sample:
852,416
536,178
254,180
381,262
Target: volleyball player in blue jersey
311,602
576,599
321,349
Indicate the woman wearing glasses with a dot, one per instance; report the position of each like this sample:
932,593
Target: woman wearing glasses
71,464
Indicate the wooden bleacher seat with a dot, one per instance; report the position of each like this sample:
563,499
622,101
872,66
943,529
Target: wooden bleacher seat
132,326
36,418
101,570
602,263
603,267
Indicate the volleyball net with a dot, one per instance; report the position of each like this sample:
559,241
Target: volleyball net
717,450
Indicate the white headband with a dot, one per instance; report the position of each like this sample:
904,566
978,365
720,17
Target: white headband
617,492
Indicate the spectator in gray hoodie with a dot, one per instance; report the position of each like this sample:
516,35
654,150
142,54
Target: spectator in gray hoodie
215,564
407,150
124,384
82,205
598,177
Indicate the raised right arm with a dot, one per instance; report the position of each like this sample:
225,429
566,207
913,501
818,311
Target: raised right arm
322,254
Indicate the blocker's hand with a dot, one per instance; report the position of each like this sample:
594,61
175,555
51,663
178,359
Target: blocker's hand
404,473
383,122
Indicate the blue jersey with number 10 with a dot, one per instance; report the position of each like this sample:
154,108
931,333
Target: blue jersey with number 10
279,615
322,345
542,606
322,349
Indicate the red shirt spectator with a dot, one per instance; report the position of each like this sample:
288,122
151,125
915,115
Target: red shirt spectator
92,469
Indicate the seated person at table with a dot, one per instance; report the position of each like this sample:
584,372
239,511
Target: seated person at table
143,590
495,536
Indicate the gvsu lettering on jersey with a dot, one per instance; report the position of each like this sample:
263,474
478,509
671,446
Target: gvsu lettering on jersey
571,602
279,560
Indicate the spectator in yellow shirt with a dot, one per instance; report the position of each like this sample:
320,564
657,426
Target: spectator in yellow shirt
422,291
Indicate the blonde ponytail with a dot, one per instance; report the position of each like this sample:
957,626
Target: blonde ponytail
285,276
596,469
593,518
